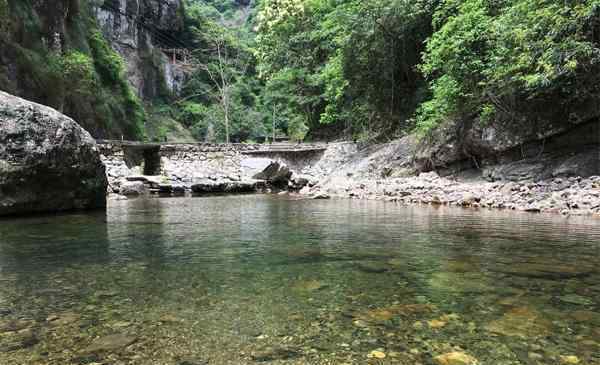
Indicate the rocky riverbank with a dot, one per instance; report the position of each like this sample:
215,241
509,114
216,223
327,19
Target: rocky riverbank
567,196
388,172
347,170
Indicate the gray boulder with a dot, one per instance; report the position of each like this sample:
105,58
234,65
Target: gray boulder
48,163
207,186
276,173
133,188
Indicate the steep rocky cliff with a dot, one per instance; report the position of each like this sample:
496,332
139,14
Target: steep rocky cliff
138,30
98,61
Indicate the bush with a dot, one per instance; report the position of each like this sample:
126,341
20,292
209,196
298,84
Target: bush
108,63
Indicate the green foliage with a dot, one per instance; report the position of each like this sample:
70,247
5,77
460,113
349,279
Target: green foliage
77,72
4,19
502,60
443,104
350,64
83,78
107,62
224,89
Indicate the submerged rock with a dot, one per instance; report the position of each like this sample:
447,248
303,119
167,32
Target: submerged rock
48,163
309,285
14,341
192,361
569,360
458,282
455,358
521,322
15,325
377,354
275,353
575,299
546,270
110,343
373,267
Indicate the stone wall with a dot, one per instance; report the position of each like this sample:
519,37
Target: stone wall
183,165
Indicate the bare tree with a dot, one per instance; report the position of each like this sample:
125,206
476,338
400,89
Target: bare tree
227,66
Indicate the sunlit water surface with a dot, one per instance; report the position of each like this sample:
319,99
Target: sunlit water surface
255,278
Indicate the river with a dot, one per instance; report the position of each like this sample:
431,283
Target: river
259,278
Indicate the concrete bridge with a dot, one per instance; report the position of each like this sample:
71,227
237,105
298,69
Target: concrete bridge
245,148
184,163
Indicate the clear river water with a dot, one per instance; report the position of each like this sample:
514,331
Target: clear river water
264,279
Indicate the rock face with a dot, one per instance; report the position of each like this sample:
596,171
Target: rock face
48,163
527,151
139,43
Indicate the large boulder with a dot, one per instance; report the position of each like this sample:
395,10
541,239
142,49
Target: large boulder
207,186
275,173
48,163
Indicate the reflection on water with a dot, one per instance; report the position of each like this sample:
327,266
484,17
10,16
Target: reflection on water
250,279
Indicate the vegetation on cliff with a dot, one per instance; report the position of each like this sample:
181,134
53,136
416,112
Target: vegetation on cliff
53,53
321,68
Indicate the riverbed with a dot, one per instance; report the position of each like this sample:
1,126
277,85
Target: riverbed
265,279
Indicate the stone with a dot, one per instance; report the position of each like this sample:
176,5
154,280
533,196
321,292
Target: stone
468,199
569,360
275,353
455,358
545,270
18,340
275,173
448,281
15,325
575,299
521,322
586,316
192,361
309,285
110,343
436,324
169,318
299,181
378,315
208,186
48,163
321,196
372,267
103,294
133,188
376,354
65,319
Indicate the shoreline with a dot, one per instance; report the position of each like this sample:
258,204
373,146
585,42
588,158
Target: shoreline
574,196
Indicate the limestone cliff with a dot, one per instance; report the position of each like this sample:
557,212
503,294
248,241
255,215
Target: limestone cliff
138,30
97,61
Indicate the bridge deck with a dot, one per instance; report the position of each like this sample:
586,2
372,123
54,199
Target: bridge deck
286,148
243,148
